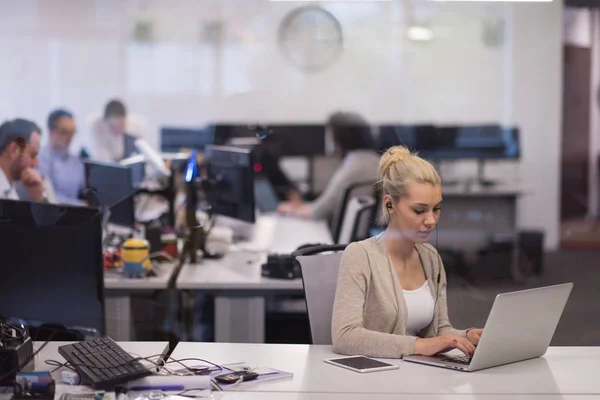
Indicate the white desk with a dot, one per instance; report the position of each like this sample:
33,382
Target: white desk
118,291
360,396
564,372
237,282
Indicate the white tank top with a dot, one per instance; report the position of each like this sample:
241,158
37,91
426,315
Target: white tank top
419,304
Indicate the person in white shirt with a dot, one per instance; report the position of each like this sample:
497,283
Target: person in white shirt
354,141
19,147
113,135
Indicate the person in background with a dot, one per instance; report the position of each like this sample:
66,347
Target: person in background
354,142
282,184
65,171
397,276
111,140
19,146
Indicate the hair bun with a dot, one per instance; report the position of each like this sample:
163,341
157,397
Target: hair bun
390,157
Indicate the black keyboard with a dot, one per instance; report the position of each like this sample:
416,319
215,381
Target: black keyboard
102,363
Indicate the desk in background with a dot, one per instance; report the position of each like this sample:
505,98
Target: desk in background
473,215
118,292
236,279
564,372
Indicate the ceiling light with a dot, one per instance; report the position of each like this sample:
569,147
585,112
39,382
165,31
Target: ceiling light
420,34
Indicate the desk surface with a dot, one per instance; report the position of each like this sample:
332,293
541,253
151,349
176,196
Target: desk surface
114,280
360,396
563,370
236,271
240,268
283,235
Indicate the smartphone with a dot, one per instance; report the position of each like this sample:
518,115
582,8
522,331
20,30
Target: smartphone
233,377
361,364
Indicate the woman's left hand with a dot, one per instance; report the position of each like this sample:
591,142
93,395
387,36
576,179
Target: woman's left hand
474,335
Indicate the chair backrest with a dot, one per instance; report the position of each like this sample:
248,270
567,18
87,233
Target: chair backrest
357,220
355,190
320,265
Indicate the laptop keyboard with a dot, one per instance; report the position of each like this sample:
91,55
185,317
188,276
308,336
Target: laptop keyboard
458,359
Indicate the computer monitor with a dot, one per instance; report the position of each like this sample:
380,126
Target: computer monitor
232,192
415,137
292,140
477,142
223,133
52,268
298,140
114,189
173,139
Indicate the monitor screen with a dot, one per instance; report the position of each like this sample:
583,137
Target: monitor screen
232,195
481,142
113,185
284,140
223,133
173,140
298,140
52,269
414,137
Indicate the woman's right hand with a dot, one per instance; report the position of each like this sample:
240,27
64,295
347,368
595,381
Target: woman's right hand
440,344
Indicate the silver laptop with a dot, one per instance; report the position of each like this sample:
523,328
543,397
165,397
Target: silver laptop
519,327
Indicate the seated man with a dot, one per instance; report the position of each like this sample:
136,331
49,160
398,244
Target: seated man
19,146
65,171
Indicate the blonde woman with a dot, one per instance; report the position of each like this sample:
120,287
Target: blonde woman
391,291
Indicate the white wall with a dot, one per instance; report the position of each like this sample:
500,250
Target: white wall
79,54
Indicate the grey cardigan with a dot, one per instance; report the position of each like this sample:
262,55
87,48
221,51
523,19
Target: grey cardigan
369,312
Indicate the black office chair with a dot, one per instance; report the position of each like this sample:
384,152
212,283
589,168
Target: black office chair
354,190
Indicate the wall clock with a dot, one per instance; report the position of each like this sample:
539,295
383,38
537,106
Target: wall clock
310,38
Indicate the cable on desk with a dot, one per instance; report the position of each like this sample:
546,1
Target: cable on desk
181,360
31,357
60,365
170,360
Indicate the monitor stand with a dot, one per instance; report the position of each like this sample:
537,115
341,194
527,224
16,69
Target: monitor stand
445,182
481,175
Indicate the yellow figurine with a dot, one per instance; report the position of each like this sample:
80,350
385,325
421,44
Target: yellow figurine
135,258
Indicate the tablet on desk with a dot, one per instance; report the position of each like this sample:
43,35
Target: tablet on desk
361,364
